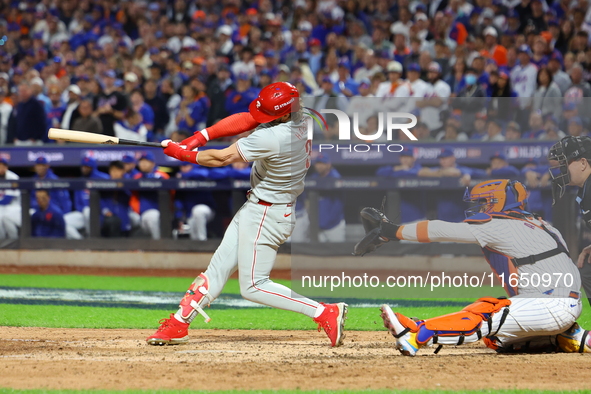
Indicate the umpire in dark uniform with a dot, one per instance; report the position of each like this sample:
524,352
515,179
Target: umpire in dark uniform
572,167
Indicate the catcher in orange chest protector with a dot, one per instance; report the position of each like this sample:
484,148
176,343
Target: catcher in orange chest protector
280,151
539,315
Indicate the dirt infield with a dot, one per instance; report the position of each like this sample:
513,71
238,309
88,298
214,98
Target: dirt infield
230,359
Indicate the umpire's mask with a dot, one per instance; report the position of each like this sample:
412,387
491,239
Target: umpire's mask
560,156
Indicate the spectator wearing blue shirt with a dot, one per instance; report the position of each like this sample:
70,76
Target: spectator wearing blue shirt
499,169
316,55
412,203
130,166
115,220
239,170
56,110
449,206
48,219
345,84
331,209
196,207
537,178
240,98
138,104
79,218
192,115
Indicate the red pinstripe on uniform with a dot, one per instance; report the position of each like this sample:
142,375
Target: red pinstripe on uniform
254,263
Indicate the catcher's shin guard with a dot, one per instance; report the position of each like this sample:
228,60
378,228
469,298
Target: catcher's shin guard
574,340
456,328
189,306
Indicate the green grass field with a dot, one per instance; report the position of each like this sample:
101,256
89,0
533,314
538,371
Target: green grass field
75,316
40,313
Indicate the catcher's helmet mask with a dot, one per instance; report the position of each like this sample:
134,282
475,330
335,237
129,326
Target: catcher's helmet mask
499,195
564,152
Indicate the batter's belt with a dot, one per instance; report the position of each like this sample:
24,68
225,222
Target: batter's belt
251,197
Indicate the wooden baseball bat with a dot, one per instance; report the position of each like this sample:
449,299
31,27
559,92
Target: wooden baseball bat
92,138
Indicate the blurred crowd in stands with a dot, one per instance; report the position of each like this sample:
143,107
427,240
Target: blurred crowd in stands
488,70
164,69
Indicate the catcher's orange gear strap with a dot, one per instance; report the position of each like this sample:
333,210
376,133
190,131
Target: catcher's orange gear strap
461,324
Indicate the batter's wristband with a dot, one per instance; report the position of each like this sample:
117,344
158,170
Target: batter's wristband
189,156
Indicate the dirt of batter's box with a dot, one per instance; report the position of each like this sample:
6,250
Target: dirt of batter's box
35,358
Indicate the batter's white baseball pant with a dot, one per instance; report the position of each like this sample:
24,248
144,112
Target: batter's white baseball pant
250,245
201,214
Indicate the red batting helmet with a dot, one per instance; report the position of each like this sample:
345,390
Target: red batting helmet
274,101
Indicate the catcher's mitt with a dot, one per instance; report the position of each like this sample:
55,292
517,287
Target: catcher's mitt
378,230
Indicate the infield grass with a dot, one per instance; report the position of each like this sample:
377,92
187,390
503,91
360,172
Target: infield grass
67,316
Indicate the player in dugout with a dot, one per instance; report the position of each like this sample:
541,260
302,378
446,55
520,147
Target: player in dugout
280,150
539,315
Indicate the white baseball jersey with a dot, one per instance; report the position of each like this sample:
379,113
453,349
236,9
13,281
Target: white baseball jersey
281,156
524,82
386,89
502,239
417,89
15,194
505,239
430,115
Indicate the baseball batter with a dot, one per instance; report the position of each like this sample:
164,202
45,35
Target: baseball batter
280,150
544,295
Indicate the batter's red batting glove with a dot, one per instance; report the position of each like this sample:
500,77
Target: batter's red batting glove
197,140
173,149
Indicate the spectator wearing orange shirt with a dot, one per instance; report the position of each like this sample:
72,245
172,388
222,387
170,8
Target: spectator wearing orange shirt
492,50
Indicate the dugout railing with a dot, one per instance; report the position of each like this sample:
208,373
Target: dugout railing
565,212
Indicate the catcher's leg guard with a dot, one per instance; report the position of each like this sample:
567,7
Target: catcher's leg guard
456,328
189,306
464,326
574,340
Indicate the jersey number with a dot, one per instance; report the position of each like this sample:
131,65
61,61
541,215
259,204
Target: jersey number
308,153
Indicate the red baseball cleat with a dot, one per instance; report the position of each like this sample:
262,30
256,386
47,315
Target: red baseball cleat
170,332
332,320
